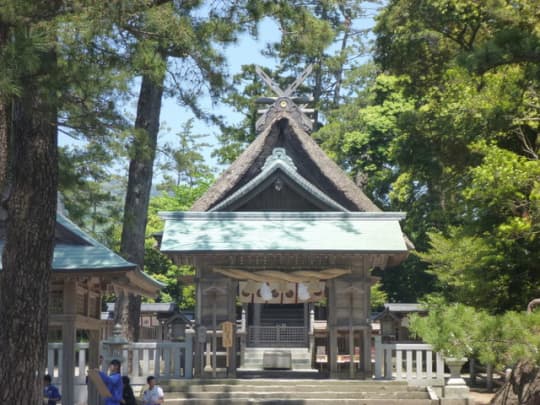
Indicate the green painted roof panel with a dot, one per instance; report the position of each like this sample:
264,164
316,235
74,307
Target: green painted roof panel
90,256
248,231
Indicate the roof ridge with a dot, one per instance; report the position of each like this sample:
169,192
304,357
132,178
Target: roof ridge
351,195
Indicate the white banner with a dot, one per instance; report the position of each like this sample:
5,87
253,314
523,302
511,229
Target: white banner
281,292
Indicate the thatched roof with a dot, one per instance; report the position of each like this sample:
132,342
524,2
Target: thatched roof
312,163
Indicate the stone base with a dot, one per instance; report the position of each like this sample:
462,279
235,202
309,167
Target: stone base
456,391
278,359
457,401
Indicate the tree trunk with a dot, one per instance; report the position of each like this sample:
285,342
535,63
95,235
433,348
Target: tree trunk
523,387
5,112
138,196
343,50
29,241
4,156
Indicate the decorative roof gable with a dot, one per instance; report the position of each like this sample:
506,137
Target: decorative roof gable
311,162
278,161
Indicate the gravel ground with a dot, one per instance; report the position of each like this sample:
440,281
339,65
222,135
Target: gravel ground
481,398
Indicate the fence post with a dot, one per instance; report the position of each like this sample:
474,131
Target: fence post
378,357
489,377
188,354
440,367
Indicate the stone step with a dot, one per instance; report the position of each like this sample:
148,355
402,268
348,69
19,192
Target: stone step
284,381
296,395
257,373
286,385
285,401
298,389
296,351
293,392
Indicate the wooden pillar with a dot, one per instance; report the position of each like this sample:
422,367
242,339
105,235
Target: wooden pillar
366,347
366,353
332,330
257,308
68,341
199,346
214,334
351,352
332,351
351,332
242,333
233,285
68,362
93,362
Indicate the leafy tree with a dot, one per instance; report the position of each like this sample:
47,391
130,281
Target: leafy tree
378,297
172,37
490,261
179,198
185,162
454,330
458,330
48,80
28,185
455,73
91,194
321,33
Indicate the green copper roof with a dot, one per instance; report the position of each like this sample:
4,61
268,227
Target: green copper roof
283,231
91,255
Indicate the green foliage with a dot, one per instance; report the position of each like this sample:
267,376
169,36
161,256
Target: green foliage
322,33
509,338
457,330
159,266
454,330
378,297
184,163
91,194
162,269
448,131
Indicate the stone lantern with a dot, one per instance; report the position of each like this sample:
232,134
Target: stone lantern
114,346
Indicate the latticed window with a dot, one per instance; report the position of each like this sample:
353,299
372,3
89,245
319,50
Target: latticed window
82,304
56,302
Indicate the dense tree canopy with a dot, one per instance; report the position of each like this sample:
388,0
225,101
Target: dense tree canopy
447,129
443,123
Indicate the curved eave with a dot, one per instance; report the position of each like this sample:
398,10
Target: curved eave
148,286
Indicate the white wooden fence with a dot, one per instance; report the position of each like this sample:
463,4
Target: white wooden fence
164,360
54,362
415,363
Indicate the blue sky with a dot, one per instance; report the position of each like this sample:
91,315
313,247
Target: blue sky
246,51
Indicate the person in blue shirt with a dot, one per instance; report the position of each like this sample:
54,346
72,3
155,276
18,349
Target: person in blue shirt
113,381
50,392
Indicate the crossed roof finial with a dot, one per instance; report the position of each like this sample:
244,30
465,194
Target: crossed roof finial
284,101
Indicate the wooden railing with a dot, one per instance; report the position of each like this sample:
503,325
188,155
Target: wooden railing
54,362
415,363
164,360
277,336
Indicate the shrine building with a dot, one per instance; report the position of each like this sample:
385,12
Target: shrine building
283,245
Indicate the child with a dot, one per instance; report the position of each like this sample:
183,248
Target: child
128,398
154,394
50,392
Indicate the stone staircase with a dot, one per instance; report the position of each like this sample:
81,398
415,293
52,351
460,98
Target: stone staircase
294,392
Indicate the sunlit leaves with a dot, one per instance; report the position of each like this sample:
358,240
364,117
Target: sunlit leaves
458,330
